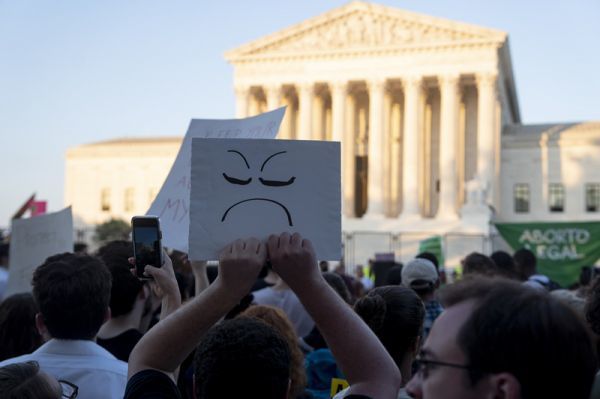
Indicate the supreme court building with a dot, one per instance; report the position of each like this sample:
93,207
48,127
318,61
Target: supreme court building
427,113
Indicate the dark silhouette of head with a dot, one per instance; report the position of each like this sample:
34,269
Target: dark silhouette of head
247,349
26,381
395,314
125,286
525,263
18,333
73,294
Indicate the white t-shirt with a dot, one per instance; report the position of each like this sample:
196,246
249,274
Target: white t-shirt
96,372
287,301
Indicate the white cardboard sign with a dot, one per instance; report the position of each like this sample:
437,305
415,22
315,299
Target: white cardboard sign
254,188
32,241
172,203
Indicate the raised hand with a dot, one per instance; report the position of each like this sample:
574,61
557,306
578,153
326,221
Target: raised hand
293,258
239,265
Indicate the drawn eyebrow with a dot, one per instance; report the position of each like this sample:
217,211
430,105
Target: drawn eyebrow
289,217
241,155
233,180
267,160
277,183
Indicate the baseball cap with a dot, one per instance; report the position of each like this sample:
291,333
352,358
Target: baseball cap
419,274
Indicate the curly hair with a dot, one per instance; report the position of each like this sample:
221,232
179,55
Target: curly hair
247,349
18,333
395,314
277,319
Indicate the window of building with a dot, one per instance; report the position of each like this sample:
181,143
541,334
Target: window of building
592,197
556,197
129,200
521,198
105,199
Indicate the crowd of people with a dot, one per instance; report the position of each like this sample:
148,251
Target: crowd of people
270,321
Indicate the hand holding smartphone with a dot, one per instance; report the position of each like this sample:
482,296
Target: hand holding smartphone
147,244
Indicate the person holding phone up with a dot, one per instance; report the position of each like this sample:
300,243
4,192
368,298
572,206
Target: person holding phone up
366,364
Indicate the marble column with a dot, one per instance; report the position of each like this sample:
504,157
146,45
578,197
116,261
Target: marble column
449,90
306,105
273,97
410,165
375,149
486,102
241,101
338,110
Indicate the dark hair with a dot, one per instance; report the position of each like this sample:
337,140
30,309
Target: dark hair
525,262
80,247
394,275
277,319
592,306
430,257
505,264
4,250
479,264
247,349
72,292
527,333
395,314
18,333
336,282
125,286
23,381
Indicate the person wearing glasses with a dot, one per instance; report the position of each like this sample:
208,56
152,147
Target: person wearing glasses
498,339
26,380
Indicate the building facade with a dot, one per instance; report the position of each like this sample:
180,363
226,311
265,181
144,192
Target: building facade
427,113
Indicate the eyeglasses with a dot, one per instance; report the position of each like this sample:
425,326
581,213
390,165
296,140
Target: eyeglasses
69,390
424,366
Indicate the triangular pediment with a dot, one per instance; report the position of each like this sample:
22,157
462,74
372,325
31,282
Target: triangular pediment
360,25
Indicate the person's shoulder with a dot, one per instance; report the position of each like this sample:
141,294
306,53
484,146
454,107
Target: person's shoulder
151,384
18,359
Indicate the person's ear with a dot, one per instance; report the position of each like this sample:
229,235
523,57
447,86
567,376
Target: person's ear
39,324
41,327
505,386
288,394
414,348
107,315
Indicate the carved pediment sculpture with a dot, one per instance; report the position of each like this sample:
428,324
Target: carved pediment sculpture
364,25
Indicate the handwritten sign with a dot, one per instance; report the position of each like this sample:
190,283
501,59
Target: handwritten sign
253,188
32,241
172,202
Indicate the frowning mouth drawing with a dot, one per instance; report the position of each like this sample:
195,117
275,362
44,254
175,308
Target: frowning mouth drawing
264,182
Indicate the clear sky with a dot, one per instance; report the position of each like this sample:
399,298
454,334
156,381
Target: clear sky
75,72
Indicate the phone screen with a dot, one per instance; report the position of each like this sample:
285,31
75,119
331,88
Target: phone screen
147,246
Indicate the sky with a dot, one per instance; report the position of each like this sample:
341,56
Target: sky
76,72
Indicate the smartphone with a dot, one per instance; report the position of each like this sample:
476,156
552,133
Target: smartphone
147,247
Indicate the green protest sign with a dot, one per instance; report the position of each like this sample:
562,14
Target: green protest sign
433,245
562,249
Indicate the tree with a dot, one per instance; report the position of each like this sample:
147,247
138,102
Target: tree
113,229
